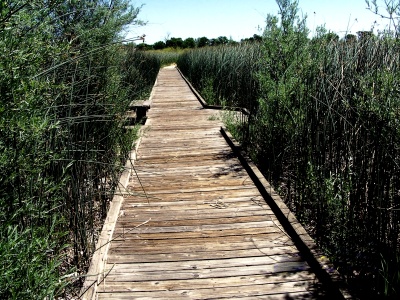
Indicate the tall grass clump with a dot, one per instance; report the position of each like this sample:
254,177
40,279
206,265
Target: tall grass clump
140,70
224,75
64,87
167,56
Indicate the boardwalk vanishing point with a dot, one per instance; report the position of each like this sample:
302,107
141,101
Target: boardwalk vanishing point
194,221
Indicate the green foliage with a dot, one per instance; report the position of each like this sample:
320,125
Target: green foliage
224,74
324,128
27,189
323,133
159,45
29,264
174,43
64,87
202,42
284,63
189,43
208,91
254,38
390,274
140,70
222,40
167,56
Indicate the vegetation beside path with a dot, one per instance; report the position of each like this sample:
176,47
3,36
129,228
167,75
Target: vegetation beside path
324,128
65,83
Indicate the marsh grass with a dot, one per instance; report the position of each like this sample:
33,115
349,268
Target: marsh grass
224,75
167,56
324,129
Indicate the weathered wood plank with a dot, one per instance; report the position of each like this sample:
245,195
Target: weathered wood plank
276,262
126,235
114,286
236,287
271,240
193,215
173,295
125,258
224,272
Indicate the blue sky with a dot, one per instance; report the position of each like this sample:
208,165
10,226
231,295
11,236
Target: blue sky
242,18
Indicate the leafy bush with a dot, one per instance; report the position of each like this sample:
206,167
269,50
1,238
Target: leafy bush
64,88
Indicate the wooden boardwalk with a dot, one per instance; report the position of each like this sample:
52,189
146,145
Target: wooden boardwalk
203,231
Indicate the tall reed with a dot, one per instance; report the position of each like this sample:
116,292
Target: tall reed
324,129
225,74
168,56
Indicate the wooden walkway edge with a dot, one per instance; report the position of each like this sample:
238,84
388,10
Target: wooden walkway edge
197,220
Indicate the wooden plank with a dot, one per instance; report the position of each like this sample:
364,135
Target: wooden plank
206,195
217,287
146,253
223,210
193,228
125,258
278,263
200,217
128,222
186,190
114,286
127,235
173,295
297,267
269,240
188,186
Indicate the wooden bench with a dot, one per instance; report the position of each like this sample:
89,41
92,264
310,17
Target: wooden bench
137,111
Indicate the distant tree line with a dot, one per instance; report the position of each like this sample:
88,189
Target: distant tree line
190,43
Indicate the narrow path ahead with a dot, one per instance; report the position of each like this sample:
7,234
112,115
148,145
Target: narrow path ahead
203,231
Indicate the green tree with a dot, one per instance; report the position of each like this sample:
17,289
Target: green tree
189,43
159,45
351,38
254,38
202,42
223,40
174,43
144,47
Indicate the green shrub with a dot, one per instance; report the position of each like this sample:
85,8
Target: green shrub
64,88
